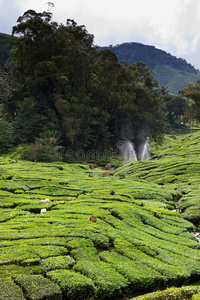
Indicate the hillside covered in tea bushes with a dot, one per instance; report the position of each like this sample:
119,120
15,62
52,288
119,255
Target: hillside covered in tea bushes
143,239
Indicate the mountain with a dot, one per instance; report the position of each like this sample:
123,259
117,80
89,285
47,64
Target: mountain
170,71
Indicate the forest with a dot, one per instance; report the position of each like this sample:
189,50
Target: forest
60,93
152,57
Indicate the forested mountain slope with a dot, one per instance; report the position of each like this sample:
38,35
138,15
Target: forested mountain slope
170,71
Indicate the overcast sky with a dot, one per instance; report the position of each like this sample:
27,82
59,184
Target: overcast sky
170,25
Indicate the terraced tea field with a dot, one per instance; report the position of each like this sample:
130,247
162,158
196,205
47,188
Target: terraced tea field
142,239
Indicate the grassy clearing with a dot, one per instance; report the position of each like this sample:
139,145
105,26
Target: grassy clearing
138,243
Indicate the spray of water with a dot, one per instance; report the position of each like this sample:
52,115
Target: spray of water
144,153
129,154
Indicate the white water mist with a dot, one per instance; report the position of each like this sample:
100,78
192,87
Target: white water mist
144,153
129,154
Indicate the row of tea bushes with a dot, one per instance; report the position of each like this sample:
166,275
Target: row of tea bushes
38,287
109,282
73,284
135,245
176,273
9,290
140,276
185,292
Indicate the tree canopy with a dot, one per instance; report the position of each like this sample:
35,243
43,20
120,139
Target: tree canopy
192,91
61,83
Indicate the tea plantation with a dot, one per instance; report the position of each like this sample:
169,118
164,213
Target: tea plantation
142,241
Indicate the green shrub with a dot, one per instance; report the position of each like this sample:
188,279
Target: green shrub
23,252
109,282
36,287
85,253
196,297
44,149
56,241
140,277
183,293
12,270
192,216
9,290
78,243
173,274
73,285
58,262
19,191
19,151
11,255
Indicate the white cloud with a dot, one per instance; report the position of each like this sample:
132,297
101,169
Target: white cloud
37,5
9,13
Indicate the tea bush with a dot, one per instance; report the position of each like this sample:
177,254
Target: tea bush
182,293
9,290
58,262
73,285
108,281
196,297
38,287
140,276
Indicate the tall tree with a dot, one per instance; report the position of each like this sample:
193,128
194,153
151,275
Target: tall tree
52,65
192,91
85,95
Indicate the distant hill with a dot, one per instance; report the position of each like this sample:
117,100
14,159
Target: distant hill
170,71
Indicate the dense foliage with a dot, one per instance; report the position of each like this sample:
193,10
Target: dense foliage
59,82
5,47
170,71
133,52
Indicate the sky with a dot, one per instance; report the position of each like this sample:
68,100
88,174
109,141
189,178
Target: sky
170,25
